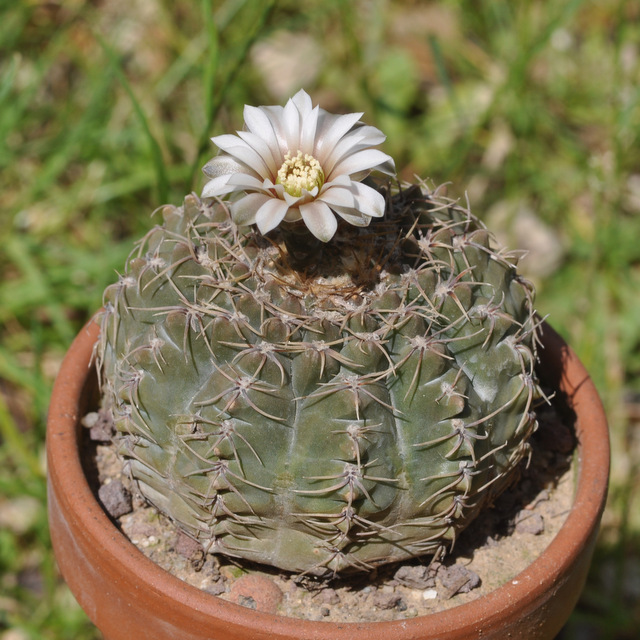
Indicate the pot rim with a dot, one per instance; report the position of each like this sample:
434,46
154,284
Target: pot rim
513,597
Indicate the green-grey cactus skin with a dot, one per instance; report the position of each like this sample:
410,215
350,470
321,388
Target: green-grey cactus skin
358,411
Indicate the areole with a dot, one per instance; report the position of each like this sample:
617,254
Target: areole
127,596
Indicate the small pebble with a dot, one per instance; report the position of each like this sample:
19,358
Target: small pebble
149,542
211,567
415,577
383,600
190,549
216,588
100,425
139,531
330,596
531,523
115,499
90,420
457,579
256,592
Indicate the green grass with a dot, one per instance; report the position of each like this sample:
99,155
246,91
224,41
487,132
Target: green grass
105,113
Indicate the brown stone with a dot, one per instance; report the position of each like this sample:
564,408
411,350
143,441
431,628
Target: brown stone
256,592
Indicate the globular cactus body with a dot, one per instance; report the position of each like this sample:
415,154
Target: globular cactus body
322,419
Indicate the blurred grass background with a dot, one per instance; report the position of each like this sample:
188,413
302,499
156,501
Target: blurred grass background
530,109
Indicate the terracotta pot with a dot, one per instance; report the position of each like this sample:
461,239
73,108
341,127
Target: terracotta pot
128,597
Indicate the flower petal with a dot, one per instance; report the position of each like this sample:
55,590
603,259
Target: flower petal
272,161
291,126
264,122
276,117
226,141
347,146
360,161
292,201
330,130
353,216
357,196
293,215
342,180
221,165
302,101
388,167
371,136
361,138
270,214
319,220
239,149
247,182
244,211
218,187
308,132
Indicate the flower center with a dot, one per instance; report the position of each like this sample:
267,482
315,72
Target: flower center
300,172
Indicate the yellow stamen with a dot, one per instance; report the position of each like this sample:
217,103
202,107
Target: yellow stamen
300,172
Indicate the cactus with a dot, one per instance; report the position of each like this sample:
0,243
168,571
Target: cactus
321,406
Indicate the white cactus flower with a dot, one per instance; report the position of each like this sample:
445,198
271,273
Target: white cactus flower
298,162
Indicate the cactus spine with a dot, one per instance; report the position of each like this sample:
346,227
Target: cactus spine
353,412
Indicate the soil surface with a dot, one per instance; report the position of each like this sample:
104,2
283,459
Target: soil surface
491,551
